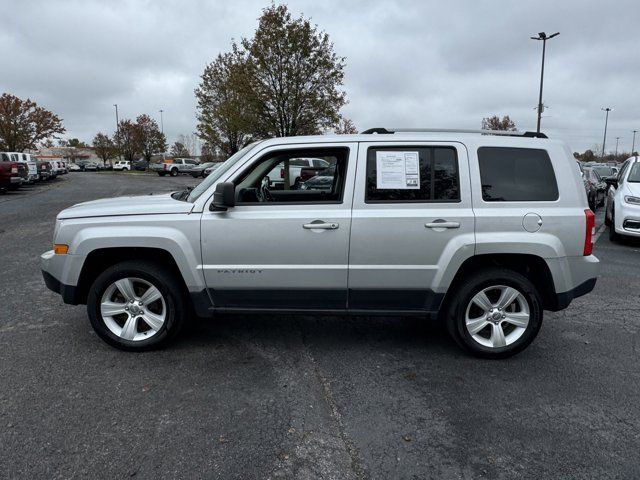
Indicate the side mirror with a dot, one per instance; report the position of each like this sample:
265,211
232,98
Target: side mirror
224,197
612,182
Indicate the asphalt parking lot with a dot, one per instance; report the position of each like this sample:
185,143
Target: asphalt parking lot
305,397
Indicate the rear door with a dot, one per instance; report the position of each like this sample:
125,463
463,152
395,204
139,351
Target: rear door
411,214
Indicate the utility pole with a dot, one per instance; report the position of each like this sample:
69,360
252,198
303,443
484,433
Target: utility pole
161,122
617,138
118,132
542,36
606,120
633,145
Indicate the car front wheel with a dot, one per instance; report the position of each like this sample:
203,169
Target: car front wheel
495,313
136,306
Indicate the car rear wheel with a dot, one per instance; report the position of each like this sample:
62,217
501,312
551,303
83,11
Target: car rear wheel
162,174
174,172
136,306
495,313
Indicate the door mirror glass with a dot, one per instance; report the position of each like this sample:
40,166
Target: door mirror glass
223,197
612,182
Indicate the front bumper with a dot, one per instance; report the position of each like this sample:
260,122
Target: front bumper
627,219
53,271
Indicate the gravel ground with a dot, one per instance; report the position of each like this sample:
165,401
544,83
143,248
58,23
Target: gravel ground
305,397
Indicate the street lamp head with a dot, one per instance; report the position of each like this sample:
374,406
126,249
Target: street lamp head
542,35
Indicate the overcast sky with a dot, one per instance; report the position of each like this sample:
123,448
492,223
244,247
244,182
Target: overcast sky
409,63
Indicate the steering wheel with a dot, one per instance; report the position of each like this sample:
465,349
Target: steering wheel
263,193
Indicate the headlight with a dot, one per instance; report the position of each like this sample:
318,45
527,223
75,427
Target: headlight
632,200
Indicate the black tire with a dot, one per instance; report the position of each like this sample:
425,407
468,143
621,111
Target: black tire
469,287
174,172
162,174
613,235
592,203
607,221
163,280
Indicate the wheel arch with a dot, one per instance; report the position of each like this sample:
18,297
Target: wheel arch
533,267
98,260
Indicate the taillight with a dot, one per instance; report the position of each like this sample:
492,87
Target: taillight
14,168
589,232
164,166
282,173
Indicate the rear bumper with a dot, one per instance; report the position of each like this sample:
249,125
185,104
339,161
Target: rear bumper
564,299
16,180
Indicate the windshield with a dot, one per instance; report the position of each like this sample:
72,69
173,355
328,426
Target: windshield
218,172
634,173
604,171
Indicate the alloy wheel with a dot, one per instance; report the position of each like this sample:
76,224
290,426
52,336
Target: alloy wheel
497,316
133,309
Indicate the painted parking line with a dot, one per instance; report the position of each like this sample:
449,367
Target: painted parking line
598,233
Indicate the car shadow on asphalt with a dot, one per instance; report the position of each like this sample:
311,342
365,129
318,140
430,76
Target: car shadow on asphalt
344,331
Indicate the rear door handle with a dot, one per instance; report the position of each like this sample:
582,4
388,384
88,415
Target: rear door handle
442,224
320,225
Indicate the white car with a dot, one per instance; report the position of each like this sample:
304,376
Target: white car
622,213
74,168
123,165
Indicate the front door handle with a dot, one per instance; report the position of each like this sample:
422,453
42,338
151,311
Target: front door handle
320,225
442,224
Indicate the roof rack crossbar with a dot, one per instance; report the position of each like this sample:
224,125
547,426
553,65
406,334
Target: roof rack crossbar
505,133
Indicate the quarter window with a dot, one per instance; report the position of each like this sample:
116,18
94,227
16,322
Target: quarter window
516,175
412,174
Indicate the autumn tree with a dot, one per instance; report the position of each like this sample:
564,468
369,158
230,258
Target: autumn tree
345,127
178,149
127,140
148,137
104,147
294,76
74,142
23,124
495,123
207,153
223,113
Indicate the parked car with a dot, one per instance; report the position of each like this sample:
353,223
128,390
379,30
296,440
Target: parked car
174,166
208,171
296,167
123,165
74,167
44,170
323,181
483,231
595,181
28,161
141,165
12,173
200,170
622,210
605,171
91,167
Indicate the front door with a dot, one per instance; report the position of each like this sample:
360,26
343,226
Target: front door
283,246
412,218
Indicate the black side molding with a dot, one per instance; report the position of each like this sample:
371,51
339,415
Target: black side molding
563,299
69,293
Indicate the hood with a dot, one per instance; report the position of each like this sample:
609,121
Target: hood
132,205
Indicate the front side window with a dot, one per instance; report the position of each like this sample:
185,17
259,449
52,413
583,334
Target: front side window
516,175
412,174
288,176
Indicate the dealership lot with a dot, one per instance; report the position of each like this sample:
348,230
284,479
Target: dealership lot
305,397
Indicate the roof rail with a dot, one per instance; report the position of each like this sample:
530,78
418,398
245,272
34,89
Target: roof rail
505,133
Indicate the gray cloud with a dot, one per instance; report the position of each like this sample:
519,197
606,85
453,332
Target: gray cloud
411,63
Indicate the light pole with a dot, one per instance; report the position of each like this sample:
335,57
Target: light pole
617,138
118,132
542,36
633,145
161,122
606,120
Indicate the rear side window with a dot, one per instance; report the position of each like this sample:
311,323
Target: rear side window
516,175
412,174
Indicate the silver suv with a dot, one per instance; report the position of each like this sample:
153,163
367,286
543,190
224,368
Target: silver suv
482,230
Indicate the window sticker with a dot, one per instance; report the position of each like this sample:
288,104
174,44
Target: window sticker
397,170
